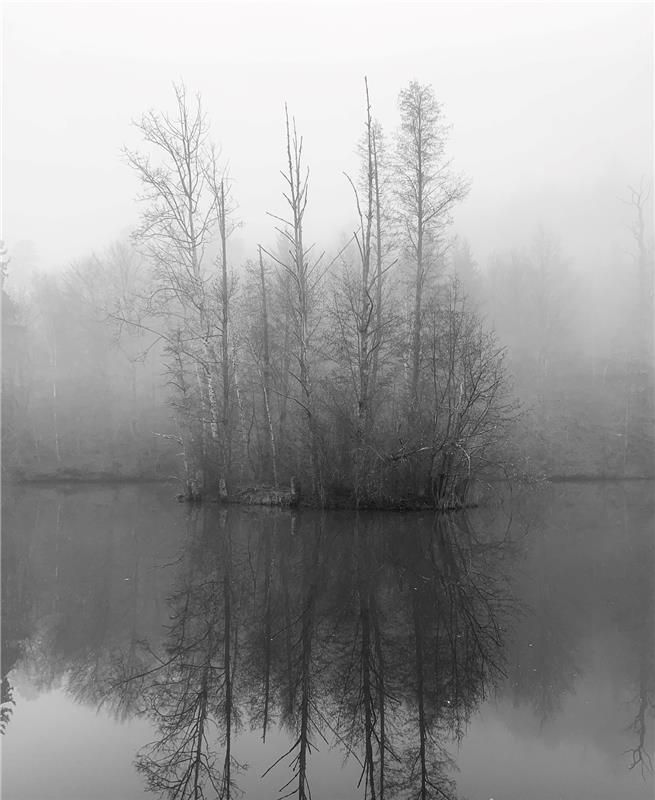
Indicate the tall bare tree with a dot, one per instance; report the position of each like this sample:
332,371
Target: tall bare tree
426,193
383,242
360,320
221,191
638,403
356,305
638,201
266,369
304,277
185,202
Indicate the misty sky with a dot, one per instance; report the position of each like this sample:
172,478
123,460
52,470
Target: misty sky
551,107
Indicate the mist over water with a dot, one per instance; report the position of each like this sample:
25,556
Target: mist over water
545,120
506,637
369,290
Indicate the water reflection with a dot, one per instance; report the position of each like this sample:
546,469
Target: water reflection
80,582
379,634
362,630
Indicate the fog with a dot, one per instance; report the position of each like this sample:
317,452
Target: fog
551,107
271,274
540,237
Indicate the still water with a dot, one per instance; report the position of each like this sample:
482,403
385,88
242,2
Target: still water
208,652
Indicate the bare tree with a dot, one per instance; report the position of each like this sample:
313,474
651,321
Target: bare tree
638,401
185,202
383,242
355,308
471,408
266,371
638,200
304,276
224,209
426,192
360,324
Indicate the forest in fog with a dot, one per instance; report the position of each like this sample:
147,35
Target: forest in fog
389,364
327,403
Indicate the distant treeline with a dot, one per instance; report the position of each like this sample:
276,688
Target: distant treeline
370,375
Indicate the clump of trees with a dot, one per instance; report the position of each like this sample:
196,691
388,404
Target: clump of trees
81,397
367,372
581,351
368,376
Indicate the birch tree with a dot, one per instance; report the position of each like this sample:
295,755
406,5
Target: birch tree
185,202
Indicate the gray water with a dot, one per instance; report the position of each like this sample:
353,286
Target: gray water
506,654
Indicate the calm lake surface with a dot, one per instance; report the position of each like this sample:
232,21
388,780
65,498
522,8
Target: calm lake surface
507,654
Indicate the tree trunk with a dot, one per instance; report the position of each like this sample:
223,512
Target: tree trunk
266,375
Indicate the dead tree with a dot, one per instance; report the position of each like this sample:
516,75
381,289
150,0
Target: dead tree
304,277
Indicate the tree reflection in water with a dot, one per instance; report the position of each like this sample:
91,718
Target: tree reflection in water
186,686
380,637
379,633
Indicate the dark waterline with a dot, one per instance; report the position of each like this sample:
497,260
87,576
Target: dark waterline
509,650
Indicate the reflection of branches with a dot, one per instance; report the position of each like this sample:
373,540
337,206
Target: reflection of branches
457,604
475,601
98,676
229,710
425,769
187,687
639,755
645,702
379,640
364,691
179,762
7,703
179,696
425,764
260,641
478,596
299,717
419,640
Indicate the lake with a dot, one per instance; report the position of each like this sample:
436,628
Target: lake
504,654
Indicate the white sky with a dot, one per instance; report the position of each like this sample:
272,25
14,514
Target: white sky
551,106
